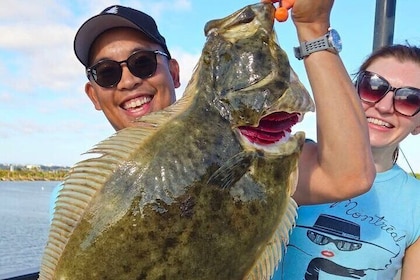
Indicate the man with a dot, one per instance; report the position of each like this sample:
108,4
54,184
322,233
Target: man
113,45
130,37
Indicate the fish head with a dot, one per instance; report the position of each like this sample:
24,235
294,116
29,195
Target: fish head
256,88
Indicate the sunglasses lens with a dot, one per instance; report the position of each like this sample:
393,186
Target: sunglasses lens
107,73
142,64
347,246
407,101
371,88
317,238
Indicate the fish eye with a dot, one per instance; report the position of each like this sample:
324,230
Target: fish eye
247,16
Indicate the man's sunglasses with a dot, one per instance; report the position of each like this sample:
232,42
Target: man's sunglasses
372,88
107,73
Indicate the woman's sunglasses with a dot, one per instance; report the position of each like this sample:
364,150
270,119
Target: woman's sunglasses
372,88
107,73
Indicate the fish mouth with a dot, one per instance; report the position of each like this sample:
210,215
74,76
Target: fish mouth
273,128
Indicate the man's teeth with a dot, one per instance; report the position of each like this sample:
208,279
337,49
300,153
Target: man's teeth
137,102
378,122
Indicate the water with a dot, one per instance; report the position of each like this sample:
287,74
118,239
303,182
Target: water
24,223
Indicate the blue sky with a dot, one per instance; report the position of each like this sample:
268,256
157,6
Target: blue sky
45,116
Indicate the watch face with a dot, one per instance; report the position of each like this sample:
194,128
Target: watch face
335,40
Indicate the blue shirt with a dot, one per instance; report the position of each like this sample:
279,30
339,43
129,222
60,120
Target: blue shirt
364,237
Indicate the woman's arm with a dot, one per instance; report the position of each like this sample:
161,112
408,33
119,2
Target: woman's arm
340,164
411,262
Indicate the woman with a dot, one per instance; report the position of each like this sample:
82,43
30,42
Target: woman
373,235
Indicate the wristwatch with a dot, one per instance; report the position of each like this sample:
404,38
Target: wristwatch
330,42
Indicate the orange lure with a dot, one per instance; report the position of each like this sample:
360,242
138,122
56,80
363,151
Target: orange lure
282,11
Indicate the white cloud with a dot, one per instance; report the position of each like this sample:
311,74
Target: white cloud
29,11
187,62
20,37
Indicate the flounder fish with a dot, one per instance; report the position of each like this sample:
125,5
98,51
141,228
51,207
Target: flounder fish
199,190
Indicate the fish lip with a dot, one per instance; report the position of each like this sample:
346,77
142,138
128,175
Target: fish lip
272,128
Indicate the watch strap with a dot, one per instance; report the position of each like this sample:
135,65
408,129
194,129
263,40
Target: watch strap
306,48
318,44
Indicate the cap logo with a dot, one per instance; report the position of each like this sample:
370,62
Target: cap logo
112,10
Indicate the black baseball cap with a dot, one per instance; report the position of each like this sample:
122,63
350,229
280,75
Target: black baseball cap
114,16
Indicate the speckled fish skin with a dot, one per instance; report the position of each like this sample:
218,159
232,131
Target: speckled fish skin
184,195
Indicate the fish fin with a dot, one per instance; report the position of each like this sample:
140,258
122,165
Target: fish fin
233,169
83,182
268,262
87,177
300,93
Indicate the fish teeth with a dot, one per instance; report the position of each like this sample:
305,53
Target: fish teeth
379,122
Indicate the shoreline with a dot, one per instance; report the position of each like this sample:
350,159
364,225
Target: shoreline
26,175
28,179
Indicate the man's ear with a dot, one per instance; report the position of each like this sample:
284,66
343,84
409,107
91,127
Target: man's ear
174,70
91,93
